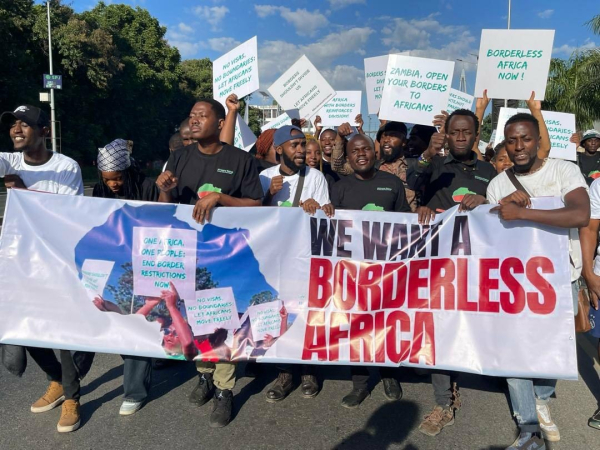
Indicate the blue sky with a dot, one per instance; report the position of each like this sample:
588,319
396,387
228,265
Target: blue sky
337,35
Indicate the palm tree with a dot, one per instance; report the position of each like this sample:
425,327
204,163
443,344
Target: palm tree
574,84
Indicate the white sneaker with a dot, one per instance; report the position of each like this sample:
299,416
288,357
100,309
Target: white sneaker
128,407
549,429
528,441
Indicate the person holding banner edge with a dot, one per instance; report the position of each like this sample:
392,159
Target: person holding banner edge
511,191
206,174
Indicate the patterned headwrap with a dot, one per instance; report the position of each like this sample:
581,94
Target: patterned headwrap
264,142
114,157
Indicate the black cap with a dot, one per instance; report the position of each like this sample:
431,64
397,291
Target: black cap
31,115
423,131
392,126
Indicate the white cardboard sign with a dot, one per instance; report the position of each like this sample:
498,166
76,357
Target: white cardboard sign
302,87
459,100
265,319
560,128
342,108
375,69
236,72
416,89
211,309
243,138
95,274
513,63
278,122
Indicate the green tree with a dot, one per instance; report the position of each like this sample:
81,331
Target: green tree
262,297
486,128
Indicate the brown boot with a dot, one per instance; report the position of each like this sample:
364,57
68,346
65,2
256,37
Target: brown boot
436,420
53,397
281,388
69,418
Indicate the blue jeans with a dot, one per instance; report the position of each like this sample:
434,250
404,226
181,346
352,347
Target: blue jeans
523,396
137,378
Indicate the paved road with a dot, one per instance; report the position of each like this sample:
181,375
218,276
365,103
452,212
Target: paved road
169,422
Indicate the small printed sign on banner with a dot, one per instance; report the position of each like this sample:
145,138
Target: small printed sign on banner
513,63
95,273
236,72
265,319
416,89
302,87
211,309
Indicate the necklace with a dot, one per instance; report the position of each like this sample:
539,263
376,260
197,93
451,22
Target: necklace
534,171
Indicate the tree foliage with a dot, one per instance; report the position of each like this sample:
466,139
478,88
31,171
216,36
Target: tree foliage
121,79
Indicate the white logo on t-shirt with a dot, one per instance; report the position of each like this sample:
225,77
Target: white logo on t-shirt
22,109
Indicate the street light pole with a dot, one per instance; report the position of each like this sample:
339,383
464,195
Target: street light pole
508,27
52,104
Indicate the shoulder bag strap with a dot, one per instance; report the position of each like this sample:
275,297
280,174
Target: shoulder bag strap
299,187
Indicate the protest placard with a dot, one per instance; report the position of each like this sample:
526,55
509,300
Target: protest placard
415,89
163,255
281,120
265,319
302,87
236,72
211,309
342,108
513,63
459,100
560,128
243,138
94,274
375,69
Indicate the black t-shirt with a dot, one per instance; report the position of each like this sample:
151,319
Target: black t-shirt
589,166
231,171
148,192
446,180
329,172
263,164
382,192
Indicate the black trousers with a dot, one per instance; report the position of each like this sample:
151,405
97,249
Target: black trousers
360,375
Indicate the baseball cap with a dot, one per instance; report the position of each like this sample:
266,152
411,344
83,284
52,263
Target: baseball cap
392,126
284,134
31,115
590,134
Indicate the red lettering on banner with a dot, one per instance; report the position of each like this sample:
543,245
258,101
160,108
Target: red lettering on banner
394,272
345,273
486,284
361,336
397,322
319,288
415,281
508,267
463,303
380,334
442,278
368,283
423,339
547,305
336,320
315,341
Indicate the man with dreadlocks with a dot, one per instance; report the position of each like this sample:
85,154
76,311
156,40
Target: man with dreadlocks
120,177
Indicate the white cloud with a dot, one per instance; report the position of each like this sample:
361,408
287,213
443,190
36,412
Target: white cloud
186,49
567,50
345,78
339,4
305,22
546,14
223,44
185,28
212,14
277,56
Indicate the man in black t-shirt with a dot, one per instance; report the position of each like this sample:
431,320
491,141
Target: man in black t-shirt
206,174
589,161
368,189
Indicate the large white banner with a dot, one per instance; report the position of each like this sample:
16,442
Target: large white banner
415,89
363,287
560,128
236,72
513,63
302,87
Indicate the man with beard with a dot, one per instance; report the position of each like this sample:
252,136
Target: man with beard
589,161
511,190
294,184
206,174
368,189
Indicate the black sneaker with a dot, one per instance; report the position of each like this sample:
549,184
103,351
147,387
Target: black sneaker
355,398
528,441
281,388
203,390
392,389
222,405
309,386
